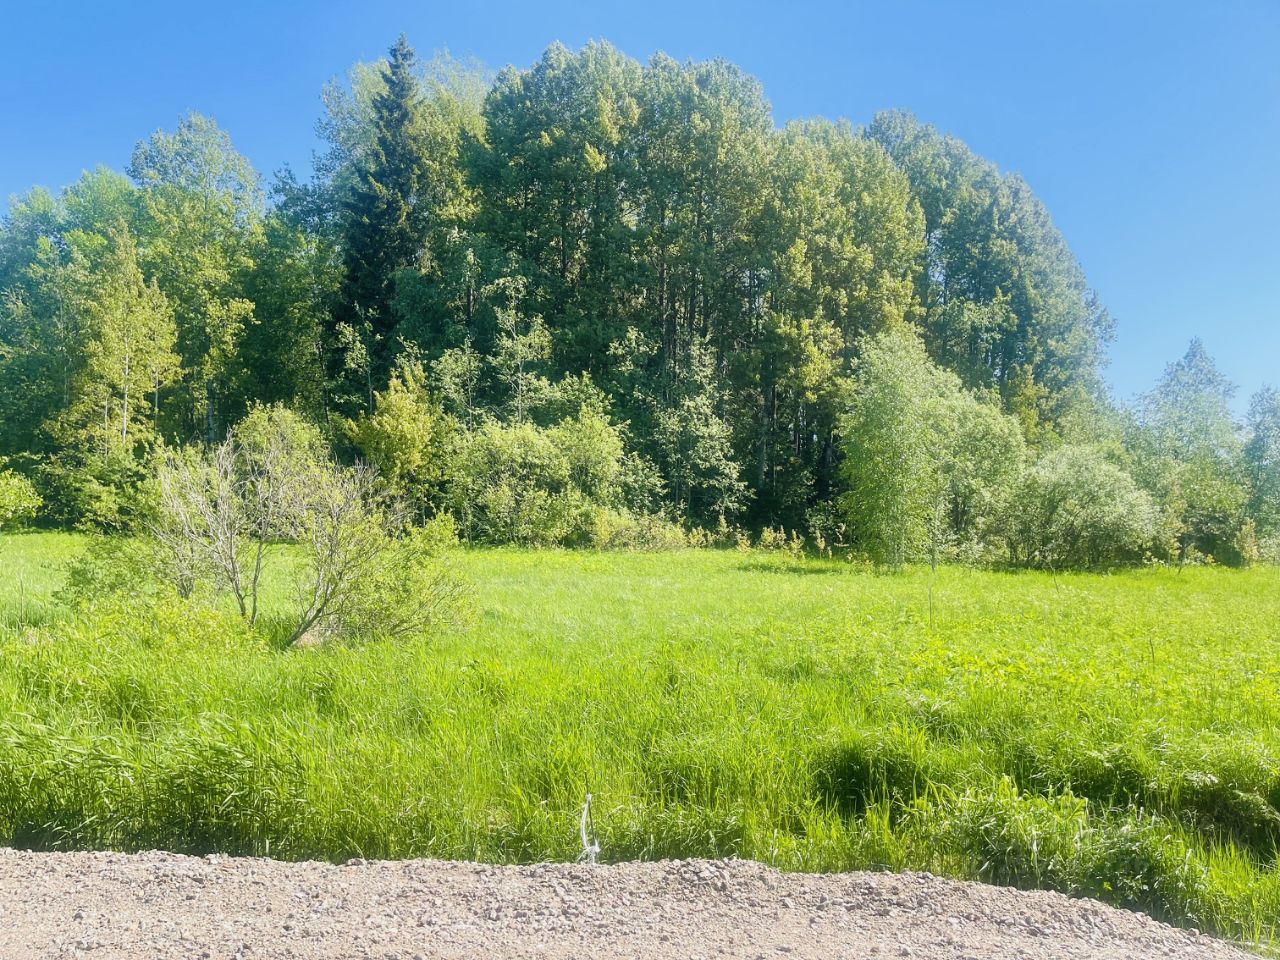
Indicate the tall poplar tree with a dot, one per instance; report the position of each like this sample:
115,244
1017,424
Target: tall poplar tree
1262,461
126,336
1188,454
201,213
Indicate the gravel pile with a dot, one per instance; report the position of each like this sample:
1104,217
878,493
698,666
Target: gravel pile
161,905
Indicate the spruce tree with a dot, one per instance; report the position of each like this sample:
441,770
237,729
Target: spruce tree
383,229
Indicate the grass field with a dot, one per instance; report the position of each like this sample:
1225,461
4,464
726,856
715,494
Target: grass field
1110,735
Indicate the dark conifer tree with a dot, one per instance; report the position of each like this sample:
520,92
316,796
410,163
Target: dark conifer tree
383,232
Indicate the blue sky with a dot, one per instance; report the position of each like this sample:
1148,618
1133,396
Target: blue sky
1151,130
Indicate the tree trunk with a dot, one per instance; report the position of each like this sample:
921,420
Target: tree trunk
209,433
124,404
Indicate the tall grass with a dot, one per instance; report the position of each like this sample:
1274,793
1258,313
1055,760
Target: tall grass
1114,735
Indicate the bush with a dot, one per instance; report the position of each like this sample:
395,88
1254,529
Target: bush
402,587
114,567
1076,509
220,509
827,526
511,485
406,439
91,492
928,466
693,444
540,486
19,501
365,573
777,540
612,529
274,432
367,576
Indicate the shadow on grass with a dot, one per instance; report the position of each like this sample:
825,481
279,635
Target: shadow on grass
801,567
277,631
856,775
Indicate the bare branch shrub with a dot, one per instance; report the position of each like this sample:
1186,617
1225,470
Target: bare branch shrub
200,522
366,573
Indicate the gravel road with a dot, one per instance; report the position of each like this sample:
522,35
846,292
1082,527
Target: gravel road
152,905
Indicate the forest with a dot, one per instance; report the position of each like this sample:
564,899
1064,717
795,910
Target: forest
603,303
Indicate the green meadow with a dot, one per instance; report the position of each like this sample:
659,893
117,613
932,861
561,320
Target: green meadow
1109,735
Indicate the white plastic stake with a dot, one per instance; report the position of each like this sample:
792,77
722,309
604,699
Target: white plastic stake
590,846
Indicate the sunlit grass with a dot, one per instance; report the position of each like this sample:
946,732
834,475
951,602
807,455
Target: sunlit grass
1110,735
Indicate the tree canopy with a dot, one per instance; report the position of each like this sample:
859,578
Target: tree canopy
804,326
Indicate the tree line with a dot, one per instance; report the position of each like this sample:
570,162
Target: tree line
603,301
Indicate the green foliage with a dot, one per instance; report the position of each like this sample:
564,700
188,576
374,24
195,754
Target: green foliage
200,217
692,446
596,240
406,439
893,449
112,340
928,467
126,337
1006,304
1076,509
19,501
1187,454
394,187
294,280
362,573
86,490
522,347
274,430
613,529
405,590
1262,461
520,483
985,463
110,568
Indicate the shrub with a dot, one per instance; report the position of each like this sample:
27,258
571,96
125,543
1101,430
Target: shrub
723,534
1076,509
612,529
365,574
521,483
96,493
273,432
511,485
692,443
219,510
777,540
18,499
406,439
827,526
928,466
112,567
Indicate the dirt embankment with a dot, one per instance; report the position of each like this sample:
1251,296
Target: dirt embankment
161,905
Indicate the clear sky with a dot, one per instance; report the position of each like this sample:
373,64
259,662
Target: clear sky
1151,129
